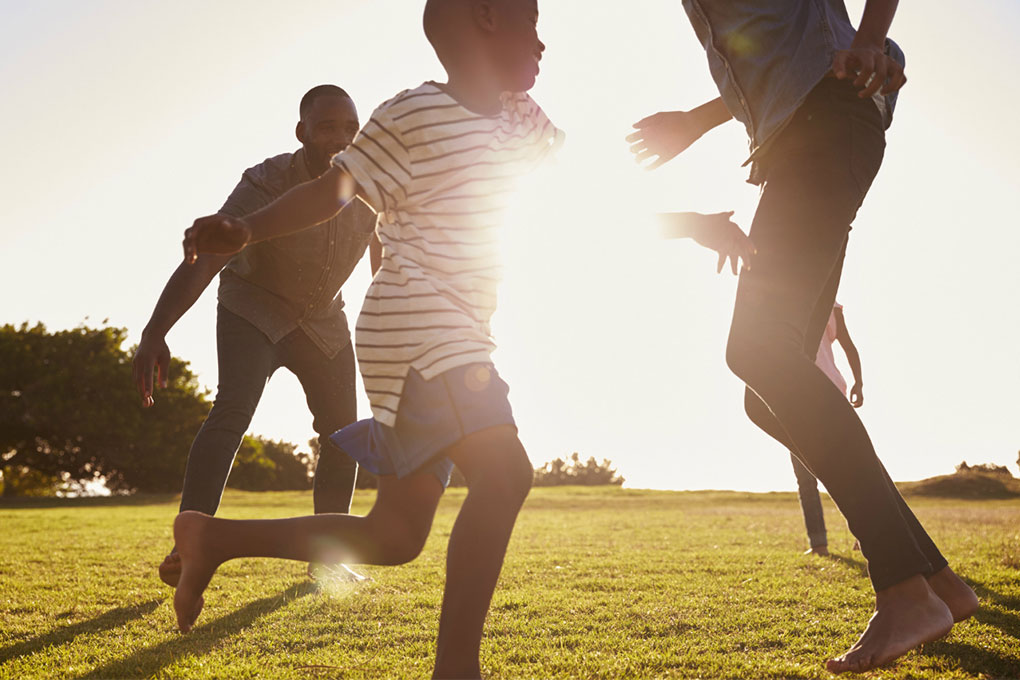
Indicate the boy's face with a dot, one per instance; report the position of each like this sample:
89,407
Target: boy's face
516,47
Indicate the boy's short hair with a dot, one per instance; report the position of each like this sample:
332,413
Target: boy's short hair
319,91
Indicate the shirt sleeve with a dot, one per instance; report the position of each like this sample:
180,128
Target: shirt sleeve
379,162
246,198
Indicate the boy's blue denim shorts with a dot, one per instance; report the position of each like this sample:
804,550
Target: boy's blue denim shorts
432,416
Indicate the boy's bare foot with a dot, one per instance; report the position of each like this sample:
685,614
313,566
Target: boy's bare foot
957,595
820,550
170,569
907,615
191,533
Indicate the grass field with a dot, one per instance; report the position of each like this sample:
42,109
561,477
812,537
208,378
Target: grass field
599,582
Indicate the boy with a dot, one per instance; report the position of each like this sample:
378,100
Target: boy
816,97
435,162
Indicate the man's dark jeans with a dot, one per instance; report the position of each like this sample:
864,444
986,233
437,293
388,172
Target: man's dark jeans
810,503
816,177
246,361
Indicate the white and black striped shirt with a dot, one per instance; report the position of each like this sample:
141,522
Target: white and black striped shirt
440,177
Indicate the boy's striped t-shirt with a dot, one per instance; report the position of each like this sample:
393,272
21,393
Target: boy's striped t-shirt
440,177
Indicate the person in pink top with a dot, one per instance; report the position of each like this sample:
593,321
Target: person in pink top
807,484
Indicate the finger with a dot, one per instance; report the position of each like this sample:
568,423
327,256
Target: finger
865,69
897,79
733,263
722,261
656,163
878,80
164,370
635,136
644,121
145,382
644,155
839,65
638,146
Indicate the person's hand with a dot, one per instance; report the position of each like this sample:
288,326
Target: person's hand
665,134
871,69
857,395
152,353
720,233
218,234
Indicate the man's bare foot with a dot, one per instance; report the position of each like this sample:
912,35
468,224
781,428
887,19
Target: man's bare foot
170,569
197,565
820,550
907,615
957,595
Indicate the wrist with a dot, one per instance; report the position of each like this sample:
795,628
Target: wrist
153,330
868,41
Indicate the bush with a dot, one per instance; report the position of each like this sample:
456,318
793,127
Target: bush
589,473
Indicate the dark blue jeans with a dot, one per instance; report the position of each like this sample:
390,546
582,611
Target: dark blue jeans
810,503
246,360
816,177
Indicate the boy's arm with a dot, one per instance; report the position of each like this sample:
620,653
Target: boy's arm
180,293
716,232
302,207
852,357
668,133
866,59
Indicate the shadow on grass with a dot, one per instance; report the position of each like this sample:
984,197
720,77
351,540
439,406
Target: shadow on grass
114,618
18,503
978,661
1006,616
148,662
852,562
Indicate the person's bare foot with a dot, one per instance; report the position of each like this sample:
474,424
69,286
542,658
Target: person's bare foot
906,616
197,565
170,569
819,550
957,595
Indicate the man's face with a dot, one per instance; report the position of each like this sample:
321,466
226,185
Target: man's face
327,128
517,48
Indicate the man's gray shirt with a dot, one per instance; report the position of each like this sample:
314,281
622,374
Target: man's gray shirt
294,281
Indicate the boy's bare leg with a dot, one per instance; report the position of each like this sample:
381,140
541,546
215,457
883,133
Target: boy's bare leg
499,476
392,533
907,615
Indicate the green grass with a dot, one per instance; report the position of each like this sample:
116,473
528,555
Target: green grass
599,582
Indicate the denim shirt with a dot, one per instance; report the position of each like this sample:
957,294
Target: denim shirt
294,281
767,55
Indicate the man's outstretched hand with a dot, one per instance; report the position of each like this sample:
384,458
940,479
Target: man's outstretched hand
666,135
152,354
217,234
717,232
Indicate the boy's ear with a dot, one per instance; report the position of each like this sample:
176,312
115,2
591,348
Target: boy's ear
299,131
484,13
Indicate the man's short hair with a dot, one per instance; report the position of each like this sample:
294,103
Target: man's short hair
319,91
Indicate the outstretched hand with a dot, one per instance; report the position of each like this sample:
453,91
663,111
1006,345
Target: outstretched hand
217,234
664,135
721,234
871,68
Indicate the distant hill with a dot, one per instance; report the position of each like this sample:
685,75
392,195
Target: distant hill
969,481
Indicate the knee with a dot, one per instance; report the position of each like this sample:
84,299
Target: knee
400,539
508,482
742,357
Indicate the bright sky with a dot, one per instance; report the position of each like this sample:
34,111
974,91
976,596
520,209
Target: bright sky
123,121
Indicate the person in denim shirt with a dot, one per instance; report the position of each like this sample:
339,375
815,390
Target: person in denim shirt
279,305
816,97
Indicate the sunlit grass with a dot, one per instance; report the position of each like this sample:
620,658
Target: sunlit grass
599,583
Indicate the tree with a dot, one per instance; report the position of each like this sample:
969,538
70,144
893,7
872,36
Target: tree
266,465
69,411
